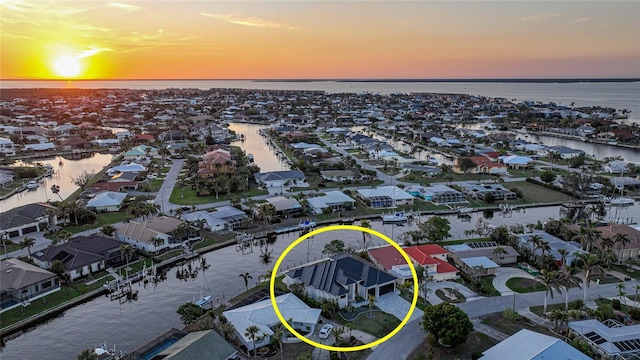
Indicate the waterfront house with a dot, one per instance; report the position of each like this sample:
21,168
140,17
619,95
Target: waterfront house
555,244
171,233
7,147
563,151
531,345
28,218
284,205
40,146
216,162
224,217
281,179
516,161
201,345
430,256
106,201
609,339
385,197
480,191
342,278
261,314
437,194
139,152
82,255
630,250
23,282
6,177
483,165
481,258
75,143
331,200
615,167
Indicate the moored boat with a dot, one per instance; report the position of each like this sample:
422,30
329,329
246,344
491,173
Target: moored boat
32,185
397,217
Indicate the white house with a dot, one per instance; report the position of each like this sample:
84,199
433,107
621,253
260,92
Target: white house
140,151
615,167
333,200
225,217
530,345
515,161
385,197
282,178
261,314
338,175
106,201
127,168
141,235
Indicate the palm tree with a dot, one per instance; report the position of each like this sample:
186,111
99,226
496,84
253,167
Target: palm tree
563,256
582,236
591,266
567,276
87,354
252,333
108,230
156,241
372,300
621,240
276,338
126,252
550,281
337,332
246,278
621,293
366,237
28,243
56,190
499,251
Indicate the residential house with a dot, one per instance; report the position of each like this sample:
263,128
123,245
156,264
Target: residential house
23,283
261,314
516,161
338,175
126,168
223,218
284,205
342,278
609,339
331,201
437,194
483,165
82,255
615,167
482,258
216,162
385,197
201,345
281,179
6,178
106,201
7,147
480,191
140,152
171,232
563,151
434,258
630,250
555,245
75,143
40,146
531,345
28,218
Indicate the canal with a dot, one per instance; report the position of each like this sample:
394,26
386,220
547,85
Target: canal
131,324
599,151
264,155
65,170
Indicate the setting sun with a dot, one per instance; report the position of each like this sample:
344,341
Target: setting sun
67,66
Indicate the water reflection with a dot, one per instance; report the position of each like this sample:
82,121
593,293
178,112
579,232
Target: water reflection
264,156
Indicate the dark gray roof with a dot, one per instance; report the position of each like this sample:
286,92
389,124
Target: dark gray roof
200,345
23,215
80,251
334,275
279,175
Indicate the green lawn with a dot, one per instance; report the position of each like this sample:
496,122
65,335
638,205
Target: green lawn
136,266
66,293
379,326
11,246
536,193
209,238
627,271
109,218
168,255
524,285
185,195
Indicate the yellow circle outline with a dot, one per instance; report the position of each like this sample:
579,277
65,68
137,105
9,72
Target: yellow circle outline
336,348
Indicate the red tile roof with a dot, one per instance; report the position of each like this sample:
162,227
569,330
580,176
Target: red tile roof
444,267
422,254
387,256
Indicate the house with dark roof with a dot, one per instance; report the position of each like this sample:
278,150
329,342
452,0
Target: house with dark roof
82,255
342,279
28,218
23,282
201,345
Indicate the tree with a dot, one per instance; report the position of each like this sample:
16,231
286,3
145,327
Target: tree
338,332
591,266
252,333
82,179
126,253
276,338
56,190
57,267
550,282
189,313
87,354
108,230
553,156
372,301
465,164
366,237
246,278
435,229
499,253
547,176
449,325
28,243
567,276
334,247
621,240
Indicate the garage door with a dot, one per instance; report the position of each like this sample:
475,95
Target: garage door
385,289
29,230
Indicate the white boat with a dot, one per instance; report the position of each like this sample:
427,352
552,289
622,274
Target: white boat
32,185
397,217
204,300
621,201
250,157
433,161
465,210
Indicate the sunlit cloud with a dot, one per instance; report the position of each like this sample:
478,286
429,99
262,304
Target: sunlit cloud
249,21
581,20
91,52
39,8
538,18
123,7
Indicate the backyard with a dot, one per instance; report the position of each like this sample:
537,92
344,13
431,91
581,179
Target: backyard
476,343
378,326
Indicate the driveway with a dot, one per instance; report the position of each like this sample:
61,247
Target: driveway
163,195
505,273
465,291
395,305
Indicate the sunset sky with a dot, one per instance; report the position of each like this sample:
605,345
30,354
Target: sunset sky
319,40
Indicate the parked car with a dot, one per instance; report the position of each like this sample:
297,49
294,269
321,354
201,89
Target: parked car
325,331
